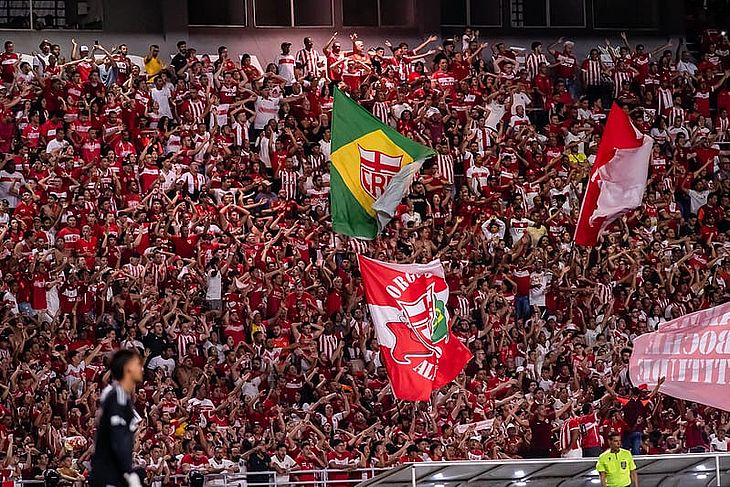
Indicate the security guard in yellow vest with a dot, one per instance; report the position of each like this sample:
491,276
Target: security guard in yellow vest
616,466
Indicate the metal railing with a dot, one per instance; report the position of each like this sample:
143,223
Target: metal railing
712,469
322,477
681,469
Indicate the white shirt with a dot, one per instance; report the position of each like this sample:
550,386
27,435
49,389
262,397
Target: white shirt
326,146
687,67
501,228
407,217
496,112
520,99
9,297
214,285
8,181
286,63
285,464
54,144
538,285
266,109
162,97
718,445
697,199
478,176
167,364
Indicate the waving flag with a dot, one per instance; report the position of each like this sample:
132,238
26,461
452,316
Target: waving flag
692,352
372,169
408,306
618,177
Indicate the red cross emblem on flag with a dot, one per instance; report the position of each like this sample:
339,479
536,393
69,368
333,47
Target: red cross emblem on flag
377,170
415,338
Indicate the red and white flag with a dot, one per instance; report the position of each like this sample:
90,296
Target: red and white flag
692,352
407,303
618,177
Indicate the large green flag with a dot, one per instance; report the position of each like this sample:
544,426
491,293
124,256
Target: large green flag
372,169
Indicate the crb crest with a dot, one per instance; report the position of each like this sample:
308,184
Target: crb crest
377,170
423,326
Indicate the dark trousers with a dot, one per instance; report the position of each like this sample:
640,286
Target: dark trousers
592,451
632,441
522,307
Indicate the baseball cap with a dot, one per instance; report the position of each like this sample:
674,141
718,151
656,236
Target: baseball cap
84,48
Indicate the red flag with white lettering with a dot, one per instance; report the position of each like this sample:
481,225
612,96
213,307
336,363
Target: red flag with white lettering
407,303
692,353
618,177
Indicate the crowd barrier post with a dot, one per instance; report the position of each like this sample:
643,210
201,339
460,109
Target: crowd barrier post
718,481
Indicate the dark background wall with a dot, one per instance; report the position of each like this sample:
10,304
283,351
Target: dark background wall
142,22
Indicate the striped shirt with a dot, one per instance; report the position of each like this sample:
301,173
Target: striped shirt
675,113
358,246
317,162
289,180
619,76
533,62
666,99
381,111
327,344
464,305
445,164
604,292
197,108
566,428
483,138
723,127
136,271
183,341
308,59
592,72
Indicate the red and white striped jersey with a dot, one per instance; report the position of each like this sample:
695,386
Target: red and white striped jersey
136,271
566,429
308,59
619,76
604,292
722,125
464,305
197,108
381,110
240,132
159,273
358,246
533,62
483,138
592,72
445,164
317,162
289,180
665,98
675,113
183,340
327,344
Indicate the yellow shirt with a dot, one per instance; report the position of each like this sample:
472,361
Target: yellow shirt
576,159
617,466
152,66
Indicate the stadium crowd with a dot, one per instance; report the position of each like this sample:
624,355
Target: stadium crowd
181,208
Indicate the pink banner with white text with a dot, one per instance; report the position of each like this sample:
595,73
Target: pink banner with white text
692,352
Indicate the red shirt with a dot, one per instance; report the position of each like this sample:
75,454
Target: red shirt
8,61
446,81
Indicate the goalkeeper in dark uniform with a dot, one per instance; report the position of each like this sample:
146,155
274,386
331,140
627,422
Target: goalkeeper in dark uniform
117,421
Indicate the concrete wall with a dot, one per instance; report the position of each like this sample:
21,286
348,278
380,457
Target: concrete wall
139,23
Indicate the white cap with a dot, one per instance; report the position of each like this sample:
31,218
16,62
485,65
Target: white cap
84,48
